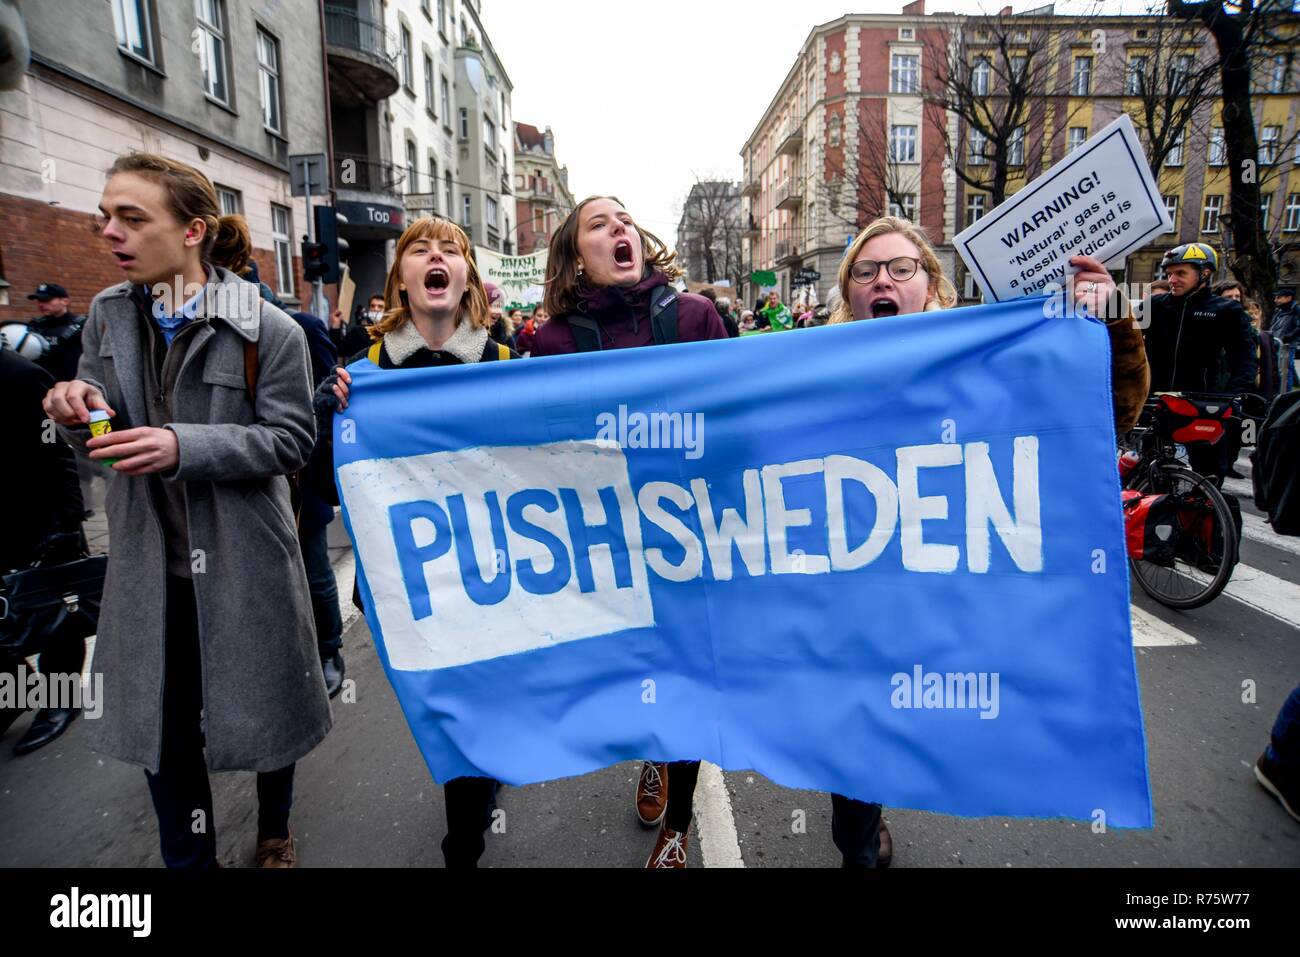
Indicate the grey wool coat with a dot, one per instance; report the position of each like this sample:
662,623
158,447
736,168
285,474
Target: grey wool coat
263,693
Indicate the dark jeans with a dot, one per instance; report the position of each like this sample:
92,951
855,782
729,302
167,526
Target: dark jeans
855,829
1284,741
324,590
470,803
682,776
181,788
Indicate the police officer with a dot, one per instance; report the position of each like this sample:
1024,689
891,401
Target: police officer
61,328
1190,329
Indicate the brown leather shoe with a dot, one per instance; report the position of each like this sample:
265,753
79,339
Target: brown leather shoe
886,853
652,793
276,852
670,850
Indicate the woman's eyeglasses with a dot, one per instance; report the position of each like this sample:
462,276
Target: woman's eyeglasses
901,269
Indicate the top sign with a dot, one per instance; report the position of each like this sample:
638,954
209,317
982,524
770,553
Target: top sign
1099,201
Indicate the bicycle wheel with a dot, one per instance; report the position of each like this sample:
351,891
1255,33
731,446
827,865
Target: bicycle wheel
1205,557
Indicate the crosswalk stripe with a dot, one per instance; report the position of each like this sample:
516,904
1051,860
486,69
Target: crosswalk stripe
1257,530
1150,632
1267,593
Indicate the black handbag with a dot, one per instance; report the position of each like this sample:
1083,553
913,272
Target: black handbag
50,603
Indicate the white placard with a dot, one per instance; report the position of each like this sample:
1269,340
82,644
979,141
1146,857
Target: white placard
1099,201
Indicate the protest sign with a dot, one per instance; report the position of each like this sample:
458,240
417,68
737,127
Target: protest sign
911,588
1099,201
521,278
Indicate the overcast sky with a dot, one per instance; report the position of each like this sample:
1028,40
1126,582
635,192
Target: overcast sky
643,97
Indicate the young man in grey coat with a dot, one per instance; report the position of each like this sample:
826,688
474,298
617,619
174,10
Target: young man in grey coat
206,638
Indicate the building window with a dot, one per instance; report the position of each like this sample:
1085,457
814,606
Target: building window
1210,216
1265,210
1291,216
1018,66
1277,81
281,233
268,68
464,123
1175,155
491,211
466,210
411,153
907,33
1016,147
232,203
905,207
212,49
1268,143
902,144
978,149
1075,137
424,8
1135,76
1171,207
904,73
539,221
1218,147
133,22
976,207
981,77
1081,85
445,99
428,81
447,195
442,25
1180,72
489,133
408,76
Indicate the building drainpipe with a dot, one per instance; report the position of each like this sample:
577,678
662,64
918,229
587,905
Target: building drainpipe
329,134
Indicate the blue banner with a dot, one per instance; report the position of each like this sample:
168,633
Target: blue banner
884,559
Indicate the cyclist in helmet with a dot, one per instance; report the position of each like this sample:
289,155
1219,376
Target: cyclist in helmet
1190,327
1190,330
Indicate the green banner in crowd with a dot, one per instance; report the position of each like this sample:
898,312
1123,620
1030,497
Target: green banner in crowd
521,278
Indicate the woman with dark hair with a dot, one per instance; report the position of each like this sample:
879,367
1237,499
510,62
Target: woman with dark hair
609,286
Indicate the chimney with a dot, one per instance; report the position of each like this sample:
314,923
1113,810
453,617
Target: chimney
914,9
1005,12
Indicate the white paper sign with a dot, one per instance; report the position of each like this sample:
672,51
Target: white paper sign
1099,201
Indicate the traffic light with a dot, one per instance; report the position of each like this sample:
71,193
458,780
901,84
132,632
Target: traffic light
314,263
335,248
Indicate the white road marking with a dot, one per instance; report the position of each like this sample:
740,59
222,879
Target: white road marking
1150,632
1258,530
1267,593
719,844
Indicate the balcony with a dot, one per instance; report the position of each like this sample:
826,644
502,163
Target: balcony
749,229
368,175
789,195
792,143
786,250
749,187
493,238
360,64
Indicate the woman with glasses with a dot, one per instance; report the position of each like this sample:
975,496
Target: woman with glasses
891,270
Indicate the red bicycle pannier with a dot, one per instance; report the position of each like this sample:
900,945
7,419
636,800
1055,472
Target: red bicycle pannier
1151,525
1180,419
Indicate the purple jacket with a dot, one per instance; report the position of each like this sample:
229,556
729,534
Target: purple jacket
624,318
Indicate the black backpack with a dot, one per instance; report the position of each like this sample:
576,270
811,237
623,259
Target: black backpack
663,322
1275,465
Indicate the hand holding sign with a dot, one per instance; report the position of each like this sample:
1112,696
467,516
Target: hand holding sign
1093,286
1100,202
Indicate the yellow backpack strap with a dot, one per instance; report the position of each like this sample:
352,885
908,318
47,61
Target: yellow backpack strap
503,352
373,353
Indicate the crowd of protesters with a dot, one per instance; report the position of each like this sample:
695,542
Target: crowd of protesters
220,635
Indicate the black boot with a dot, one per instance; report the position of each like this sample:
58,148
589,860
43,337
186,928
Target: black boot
334,671
48,724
